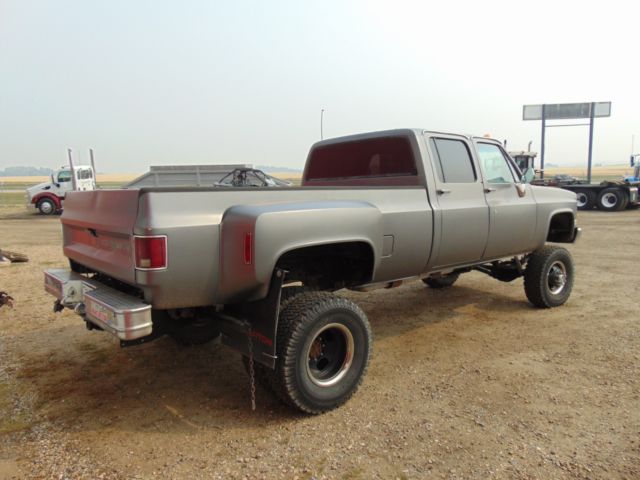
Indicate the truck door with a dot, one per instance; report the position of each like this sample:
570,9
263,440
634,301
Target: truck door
64,182
462,208
512,214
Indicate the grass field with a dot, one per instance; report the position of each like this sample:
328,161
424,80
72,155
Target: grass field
12,198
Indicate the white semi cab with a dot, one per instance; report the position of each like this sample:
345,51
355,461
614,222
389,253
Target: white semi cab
48,197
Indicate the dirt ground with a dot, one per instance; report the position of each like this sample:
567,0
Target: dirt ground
469,382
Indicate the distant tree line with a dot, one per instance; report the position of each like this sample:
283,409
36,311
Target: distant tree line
26,172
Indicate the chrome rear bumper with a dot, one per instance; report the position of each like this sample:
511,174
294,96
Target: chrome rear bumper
123,315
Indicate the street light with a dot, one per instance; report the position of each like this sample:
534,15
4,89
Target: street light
321,120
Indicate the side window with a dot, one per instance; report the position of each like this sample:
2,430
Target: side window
453,161
64,176
495,165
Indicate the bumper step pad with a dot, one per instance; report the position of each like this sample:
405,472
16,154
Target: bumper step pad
123,315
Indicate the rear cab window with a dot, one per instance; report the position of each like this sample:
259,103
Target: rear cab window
385,161
85,174
453,161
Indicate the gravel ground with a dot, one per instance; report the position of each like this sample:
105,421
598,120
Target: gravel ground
469,382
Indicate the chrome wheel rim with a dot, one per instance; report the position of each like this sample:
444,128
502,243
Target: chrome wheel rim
46,207
330,354
582,199
609,200
557,278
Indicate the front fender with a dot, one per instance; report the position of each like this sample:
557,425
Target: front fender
54,198
552,202
266,232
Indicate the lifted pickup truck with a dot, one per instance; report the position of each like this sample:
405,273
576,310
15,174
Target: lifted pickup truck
259,266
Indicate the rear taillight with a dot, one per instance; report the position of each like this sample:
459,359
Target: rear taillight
248,248
151,252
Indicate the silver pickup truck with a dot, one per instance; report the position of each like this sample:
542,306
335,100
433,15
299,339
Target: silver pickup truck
259,267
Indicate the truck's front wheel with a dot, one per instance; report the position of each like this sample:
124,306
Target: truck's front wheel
323,349
46,206
193,331
548,279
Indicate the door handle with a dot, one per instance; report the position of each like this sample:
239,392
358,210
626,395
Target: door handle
489,190
442,191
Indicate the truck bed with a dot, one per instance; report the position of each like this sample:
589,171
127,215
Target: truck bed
201,226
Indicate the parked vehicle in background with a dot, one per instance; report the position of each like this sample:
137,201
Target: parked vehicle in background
250,177
261,266
608,196
48,197
230,175
635,164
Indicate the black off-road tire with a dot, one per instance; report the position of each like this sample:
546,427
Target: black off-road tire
46,206
548,279
265,376
586,199
289,293
441,282
610,200
310,320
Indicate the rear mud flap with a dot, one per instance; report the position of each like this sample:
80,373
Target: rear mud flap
255,324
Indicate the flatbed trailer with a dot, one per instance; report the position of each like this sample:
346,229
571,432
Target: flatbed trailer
606,196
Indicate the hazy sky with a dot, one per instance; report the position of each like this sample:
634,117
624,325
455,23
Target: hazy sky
187,82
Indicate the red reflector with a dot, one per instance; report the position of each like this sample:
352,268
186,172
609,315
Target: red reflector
248,248
151,252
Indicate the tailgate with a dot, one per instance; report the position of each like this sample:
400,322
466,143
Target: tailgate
97,229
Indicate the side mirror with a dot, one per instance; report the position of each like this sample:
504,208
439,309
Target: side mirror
528,175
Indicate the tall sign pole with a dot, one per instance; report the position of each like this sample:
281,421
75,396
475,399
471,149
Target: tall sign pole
544,129
591,117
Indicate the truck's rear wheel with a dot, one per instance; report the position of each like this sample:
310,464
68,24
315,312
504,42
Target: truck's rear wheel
441,282
625,201
586,199
46,206
548,279
193,331
610,200
323,349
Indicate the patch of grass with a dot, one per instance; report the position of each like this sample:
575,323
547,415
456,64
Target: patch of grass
12,198
107,185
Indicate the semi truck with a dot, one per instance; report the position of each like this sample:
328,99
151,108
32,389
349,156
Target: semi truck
608,196
48,197
262,267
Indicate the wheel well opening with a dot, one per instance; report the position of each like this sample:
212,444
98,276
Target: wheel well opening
329,267
561,227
